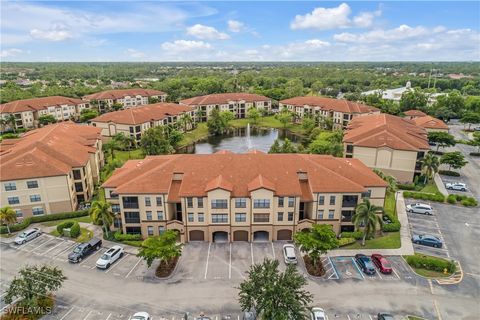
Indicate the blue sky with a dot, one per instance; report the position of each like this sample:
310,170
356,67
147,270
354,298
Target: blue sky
240,31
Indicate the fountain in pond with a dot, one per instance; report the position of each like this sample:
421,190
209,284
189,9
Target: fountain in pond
249,139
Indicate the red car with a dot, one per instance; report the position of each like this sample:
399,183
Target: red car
381,263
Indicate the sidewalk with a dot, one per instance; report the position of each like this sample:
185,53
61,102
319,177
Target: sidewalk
406,247
440,185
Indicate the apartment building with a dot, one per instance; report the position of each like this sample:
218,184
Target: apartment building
389,143
28,111
339,110
50,170
237,103
133,122
128,98
430,123
239,197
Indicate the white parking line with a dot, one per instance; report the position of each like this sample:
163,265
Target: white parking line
358,268
64,250
230,263
136,264
41,245
379,274
208,257
89,256
87,315
370,317
395,272
109,315
251,252
66,314
273,251
61,242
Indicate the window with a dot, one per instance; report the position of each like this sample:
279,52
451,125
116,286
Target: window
78,187
113,195
261,203
320,215
132,217
37,211
33,184
189,202
159,215
280,202
161,230
280,216
115,208
35,198
201,217
367,194
347,215
331,213
148,203
190,217
321,200
291,201
240,203
349,201
220,218
18,213
137,128
10,186
13,200
150,230
261,217
77,174
200,202
332,200
133,230
159,201
219,204
149,215
240,217
130,202
349,148
290,216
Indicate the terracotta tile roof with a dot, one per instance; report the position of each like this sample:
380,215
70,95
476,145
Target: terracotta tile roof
415,113
385,130
49,151
36,104
260,182
429,122
339,105
121,93
241,173
223,98
143,114
306,191
173,195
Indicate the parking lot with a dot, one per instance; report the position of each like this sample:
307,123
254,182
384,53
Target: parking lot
344,268
448,179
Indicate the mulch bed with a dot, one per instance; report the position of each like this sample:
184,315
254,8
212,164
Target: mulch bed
317,270
165,269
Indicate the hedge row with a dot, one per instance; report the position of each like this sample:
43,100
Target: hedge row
345,241
449,173
425,196
393,226
48,217
431,263
127,237
74,227
406,186
355,235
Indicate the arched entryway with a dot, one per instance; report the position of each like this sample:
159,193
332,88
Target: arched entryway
284,235
196,235
261,236
240,235
220,236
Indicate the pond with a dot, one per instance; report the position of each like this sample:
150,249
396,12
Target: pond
241,140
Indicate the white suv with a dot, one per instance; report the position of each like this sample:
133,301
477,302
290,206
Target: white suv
456,186
109,257
420,208
289,254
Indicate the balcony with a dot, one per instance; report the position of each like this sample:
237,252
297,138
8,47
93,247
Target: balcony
349,201
347,216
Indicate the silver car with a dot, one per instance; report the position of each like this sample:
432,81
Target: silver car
289,254
27,235
317,314
420,208
459,186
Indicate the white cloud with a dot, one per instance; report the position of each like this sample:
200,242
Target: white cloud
403,32
135,53
333,18
55,34
235,26
203,32
10,52
185,46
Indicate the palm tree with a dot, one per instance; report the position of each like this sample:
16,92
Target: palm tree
10,119
392,182
430,164
101,212
185,120
366,216
8,216
112,145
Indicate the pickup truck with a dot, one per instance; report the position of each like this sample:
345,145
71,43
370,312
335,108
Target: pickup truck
84,249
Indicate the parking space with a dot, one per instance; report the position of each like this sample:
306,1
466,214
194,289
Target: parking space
347,268
218,261
340,268
330,270
446,180
241,259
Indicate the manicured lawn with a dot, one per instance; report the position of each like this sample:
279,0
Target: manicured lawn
268,122
390,204
390,240
128,155
85,235
199,133
430,273
431,187
57,222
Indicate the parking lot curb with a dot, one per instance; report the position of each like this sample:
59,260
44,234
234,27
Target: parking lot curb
455,278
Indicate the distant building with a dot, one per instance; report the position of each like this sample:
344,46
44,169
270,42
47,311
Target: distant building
396,94
237,103
50,170
133,122
28,111
341,111
128,98
412,114
431,124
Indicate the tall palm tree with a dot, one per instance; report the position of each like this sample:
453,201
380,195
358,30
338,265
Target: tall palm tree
112,145
101,212
10,119
185,120
366,216
430,164
8,216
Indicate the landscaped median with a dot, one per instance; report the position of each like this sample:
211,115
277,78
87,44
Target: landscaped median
430,267
430,192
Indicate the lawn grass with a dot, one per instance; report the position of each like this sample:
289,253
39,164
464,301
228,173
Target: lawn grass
428,273
390,204
84,236
199,133
390,240
415,318
85,219
431,187
128,155
268,122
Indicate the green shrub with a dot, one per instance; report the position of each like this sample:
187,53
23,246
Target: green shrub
393,226
431,263
425,196
469,202
355,234
460,197
64,225
345,241
9,135
406,186
48,217
127,237
135,243
452,199
74,227
475,154
75,230
449,173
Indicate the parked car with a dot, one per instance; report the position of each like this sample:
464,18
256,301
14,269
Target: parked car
421,208
249,315
84,249
289,254
141,316
459,186
381,263
109,257
365,264
385,316
27,235
427,240
476,128
317,314
188,316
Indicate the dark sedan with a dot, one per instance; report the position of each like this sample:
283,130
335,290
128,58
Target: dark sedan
427,240
365,264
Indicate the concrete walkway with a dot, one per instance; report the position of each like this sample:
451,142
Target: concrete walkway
440,185
406,247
